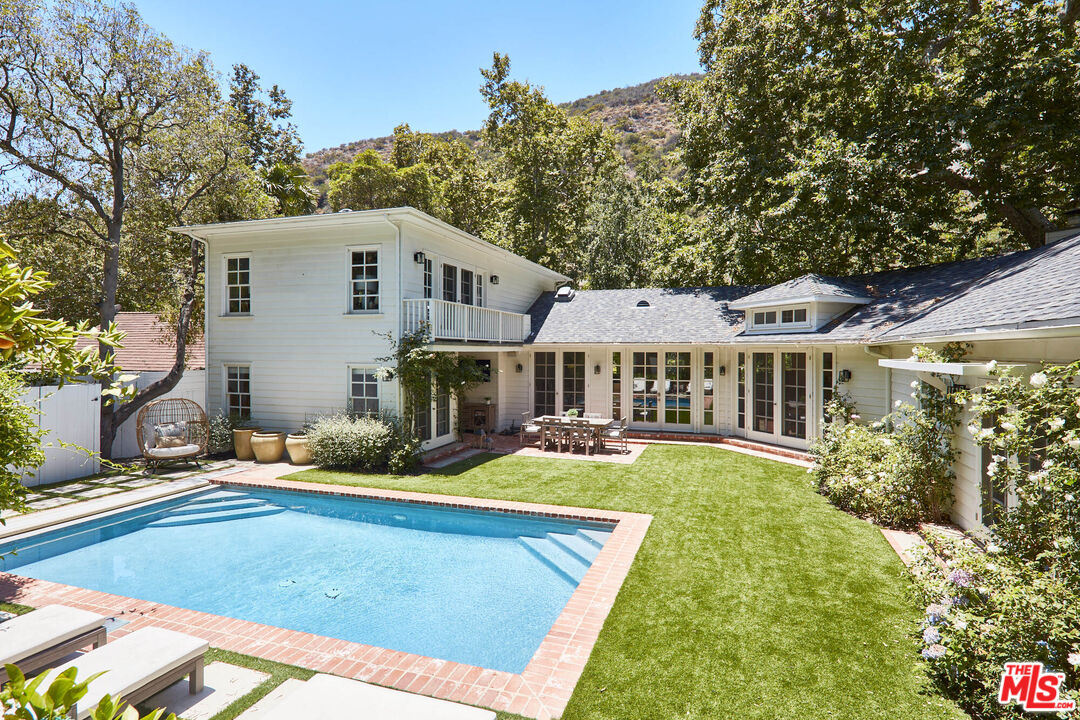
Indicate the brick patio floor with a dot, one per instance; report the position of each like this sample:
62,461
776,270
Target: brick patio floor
541,691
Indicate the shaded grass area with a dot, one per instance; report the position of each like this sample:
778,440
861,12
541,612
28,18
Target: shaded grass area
278,673
751,596
15,608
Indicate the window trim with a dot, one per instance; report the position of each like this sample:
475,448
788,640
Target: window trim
225,387
778,318
373,370
225,258
349,250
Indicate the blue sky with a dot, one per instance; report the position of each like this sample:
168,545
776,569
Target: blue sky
357,69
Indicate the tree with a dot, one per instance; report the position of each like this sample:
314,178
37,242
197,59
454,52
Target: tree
853,137
269,138
104,115
291,189
369,182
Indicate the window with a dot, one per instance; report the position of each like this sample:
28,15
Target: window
616,385
826,384
793,317
363,391
422,415
995,493
707,389
573,381
740,390
238,391
238,285
544,383
429,277
645,388
794,394
365,281
449,283
467,287
677,388
765,317
479,290
442,412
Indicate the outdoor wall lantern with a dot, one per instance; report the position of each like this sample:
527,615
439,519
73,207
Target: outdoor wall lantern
494,279
596,370
519,367
844,376
722,370
419,257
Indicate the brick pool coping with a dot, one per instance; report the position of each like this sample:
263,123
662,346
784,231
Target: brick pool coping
541,691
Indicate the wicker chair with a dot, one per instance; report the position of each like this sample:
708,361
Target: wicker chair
172,430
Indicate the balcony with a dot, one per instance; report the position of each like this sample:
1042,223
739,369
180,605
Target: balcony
468,323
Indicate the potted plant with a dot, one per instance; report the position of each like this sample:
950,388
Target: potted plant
572,412
267,446
242,441
296,444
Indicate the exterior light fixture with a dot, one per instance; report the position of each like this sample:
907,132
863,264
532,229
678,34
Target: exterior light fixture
519,367
722,370
494,279
844,376
419,257
596,370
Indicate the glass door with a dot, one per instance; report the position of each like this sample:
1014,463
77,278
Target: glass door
778,396
793,391
645,388
544,383
573,382
677,390
762,386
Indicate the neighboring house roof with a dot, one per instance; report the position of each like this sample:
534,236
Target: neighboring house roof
1029,288
808,288
148,345
678,315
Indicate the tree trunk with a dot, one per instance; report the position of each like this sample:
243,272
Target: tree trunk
113,416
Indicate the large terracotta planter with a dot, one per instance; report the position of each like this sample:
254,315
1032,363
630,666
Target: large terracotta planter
268,446
241,438
297,447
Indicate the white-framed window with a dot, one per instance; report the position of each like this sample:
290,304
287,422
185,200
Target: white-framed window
780,318
449,282
764,318
479,290
238,284
429,278
238,391
467,286
363,280
363,391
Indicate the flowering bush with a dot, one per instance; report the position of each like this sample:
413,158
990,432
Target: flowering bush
986,609
362,444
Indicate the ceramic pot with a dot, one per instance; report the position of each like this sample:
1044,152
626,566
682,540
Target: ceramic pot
268,446
241,439
297,447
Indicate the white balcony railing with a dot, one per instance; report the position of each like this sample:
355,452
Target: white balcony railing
456,321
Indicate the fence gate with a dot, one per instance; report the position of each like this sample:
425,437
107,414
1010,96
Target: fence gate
70,414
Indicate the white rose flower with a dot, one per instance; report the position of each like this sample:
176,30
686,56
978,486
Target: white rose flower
1057,423
897,404
992,468
1038,379
914,384
1074,659
1074,443
1011,427
992,365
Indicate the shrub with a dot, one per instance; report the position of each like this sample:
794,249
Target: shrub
221,433
363,444
986,609
20,440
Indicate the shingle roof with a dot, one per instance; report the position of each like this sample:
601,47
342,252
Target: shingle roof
1014,290
147,345
805,286
675,315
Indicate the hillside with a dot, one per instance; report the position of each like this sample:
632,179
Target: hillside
641,120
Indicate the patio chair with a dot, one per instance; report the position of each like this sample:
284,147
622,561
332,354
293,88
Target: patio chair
172,430
593,416
528,428
615,434
41,637
136,667
578,433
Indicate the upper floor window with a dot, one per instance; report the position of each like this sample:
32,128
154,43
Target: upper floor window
365,281
238,285
467,287
796,316
782,317
429,277
479,290
449,283
763,317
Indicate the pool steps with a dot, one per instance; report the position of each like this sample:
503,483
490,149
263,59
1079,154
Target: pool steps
216,507
568,554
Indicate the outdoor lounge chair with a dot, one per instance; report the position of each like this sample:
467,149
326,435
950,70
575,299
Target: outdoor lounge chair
615,434
137,666
528,428
172,430
41,637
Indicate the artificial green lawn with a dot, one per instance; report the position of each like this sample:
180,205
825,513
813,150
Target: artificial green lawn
751,596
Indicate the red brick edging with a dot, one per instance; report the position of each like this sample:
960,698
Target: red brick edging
541,691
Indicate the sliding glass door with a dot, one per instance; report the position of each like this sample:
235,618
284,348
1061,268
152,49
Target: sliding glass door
778,397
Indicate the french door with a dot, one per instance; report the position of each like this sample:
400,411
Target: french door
778,397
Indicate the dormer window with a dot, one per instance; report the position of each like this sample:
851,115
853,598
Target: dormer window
763,317
792,317
780,318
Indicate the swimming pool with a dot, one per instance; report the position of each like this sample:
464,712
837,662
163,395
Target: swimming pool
475,587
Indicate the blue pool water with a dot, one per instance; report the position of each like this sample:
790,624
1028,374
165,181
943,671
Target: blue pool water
475,587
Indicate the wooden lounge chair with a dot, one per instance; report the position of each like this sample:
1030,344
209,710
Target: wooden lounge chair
528,428
41,637
137,666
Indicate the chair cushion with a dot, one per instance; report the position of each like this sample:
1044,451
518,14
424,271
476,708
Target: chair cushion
42,629
532,428
166,435
165,453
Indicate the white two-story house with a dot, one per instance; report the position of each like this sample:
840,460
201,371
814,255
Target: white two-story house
298,308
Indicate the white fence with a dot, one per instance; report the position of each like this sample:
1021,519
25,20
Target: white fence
70,414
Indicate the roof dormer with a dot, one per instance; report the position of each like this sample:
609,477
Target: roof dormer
800,305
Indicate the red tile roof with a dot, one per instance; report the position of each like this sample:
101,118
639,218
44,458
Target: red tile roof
148,345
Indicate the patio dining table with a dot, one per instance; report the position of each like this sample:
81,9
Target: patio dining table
548,423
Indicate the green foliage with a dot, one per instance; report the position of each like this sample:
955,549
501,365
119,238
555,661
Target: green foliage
986,609
221,433
271,141
369,182
842,139
22,700
1032,427
20,441
291,189
361,444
